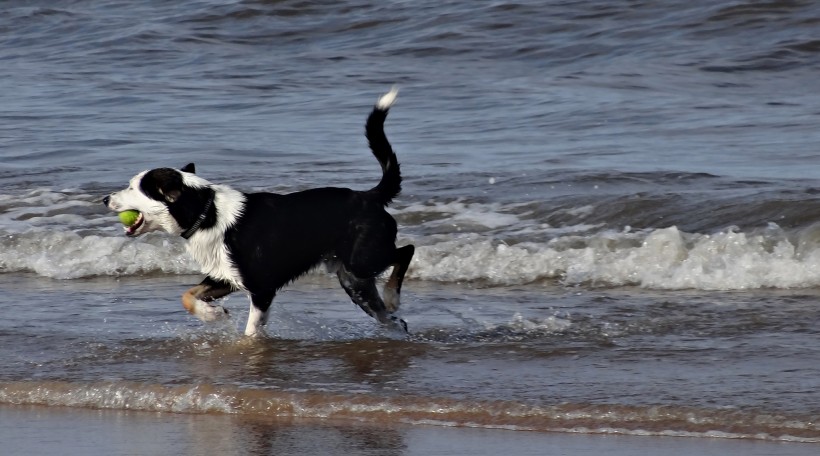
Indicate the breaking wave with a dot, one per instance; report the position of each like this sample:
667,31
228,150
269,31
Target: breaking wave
659,259
63,235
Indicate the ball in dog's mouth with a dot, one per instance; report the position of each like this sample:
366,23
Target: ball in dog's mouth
132,220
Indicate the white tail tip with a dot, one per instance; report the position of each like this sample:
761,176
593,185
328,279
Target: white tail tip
387,100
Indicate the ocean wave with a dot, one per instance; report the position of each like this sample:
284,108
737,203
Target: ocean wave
582,418
68,255
69,235
666,258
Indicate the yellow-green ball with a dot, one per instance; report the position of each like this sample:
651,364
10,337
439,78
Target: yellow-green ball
129,217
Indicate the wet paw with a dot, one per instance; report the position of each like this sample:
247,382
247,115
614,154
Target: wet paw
399,323
208,313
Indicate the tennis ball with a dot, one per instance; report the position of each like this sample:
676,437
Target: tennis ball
129,217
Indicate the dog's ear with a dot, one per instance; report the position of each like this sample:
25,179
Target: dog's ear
189,168
162,184
170,195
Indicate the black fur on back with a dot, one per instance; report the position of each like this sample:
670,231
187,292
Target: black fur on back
281,237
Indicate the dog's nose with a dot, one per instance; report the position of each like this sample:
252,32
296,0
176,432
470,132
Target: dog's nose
106,200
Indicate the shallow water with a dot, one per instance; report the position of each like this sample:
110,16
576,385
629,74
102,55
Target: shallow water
527,358
151,433
614,208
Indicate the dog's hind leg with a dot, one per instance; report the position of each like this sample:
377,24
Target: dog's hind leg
363,293
197,300
392,289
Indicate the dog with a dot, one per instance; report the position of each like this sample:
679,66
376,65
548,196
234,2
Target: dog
260,242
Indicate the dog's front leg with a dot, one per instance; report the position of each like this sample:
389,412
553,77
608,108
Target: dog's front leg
258,313
197,300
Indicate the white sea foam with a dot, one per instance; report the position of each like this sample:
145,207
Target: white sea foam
661,259
68,255
66,235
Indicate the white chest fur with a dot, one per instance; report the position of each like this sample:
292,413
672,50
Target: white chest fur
207,246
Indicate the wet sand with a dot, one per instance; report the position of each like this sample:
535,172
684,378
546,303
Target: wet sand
28,430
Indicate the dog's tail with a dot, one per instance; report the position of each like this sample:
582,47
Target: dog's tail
390,184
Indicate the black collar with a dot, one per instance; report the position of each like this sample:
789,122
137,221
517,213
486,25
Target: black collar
195,227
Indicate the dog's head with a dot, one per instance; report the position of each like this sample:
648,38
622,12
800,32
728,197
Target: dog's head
167,199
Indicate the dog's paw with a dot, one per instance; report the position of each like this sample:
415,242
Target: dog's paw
399,323
392,321
208,313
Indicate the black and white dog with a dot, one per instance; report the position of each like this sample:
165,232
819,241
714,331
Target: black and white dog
259,242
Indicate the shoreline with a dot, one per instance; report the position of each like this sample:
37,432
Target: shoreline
78,431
